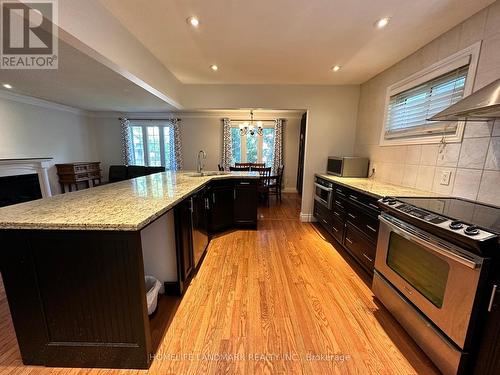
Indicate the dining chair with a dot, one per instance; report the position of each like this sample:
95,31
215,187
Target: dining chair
221,168
276,182
264,182
239,169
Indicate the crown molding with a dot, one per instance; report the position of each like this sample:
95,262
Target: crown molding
25,99
211,113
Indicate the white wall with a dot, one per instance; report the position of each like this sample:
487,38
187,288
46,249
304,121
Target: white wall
33,131
332,113
475,162
108,142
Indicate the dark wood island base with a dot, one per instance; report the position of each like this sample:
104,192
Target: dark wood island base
78,297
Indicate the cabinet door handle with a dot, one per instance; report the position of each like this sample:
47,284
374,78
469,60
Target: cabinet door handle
191,205
244,183
213,198
367,257
207,203
348,240
351,215
492,297
371,228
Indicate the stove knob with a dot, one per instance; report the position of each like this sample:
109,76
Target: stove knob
471,230
456,225
392,202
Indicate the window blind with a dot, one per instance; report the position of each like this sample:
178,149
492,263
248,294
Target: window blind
409,110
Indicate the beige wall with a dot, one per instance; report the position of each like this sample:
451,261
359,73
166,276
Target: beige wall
33,131
205,133
332,112
474,163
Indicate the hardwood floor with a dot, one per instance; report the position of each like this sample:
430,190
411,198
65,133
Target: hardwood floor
280,300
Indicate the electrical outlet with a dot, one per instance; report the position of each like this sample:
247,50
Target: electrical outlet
445,178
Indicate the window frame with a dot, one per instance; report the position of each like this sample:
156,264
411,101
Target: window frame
161,127
438,69
260,143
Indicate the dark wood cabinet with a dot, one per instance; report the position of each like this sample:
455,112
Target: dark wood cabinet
353,222
221,197
183,228
245,203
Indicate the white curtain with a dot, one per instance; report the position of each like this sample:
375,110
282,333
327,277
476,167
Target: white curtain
125,140
278,144
227,149
176,149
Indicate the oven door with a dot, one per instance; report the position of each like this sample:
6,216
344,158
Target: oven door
440,279
323,195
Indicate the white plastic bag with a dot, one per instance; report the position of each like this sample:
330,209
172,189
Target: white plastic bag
153,286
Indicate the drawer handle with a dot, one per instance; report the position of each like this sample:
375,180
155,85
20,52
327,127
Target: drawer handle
340,192
338,203
353,197
336,213
324,221
244,183
371,228
335,229
373,205
351,215
367,257
348,240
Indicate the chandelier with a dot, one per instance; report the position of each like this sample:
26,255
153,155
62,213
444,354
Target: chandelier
249,127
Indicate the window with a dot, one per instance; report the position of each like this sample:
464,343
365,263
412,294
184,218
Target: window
152,144
253,148
412,101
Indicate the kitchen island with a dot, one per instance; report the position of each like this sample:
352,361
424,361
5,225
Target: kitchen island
73,265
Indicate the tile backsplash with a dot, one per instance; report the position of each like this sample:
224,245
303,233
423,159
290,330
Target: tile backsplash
473,164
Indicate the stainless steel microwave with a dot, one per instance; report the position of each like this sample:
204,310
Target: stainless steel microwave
347,166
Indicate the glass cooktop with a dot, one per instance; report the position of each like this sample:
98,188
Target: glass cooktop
482,215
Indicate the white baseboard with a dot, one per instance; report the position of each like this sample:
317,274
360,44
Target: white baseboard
307,218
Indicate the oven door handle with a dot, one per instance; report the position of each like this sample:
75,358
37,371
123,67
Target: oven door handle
323,187
429,245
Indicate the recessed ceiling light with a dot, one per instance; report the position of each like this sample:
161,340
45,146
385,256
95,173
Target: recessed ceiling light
214,67
7,86
193,21
336,68
381,23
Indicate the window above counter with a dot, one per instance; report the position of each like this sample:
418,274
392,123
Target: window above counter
412,101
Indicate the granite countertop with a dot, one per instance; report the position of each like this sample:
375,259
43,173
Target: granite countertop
127,205
375,188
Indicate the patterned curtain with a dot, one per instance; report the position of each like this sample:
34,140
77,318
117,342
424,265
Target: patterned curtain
176,149
278,144
125,134
227,151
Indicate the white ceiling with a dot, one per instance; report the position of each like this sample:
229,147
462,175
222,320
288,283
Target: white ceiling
84,83
286,41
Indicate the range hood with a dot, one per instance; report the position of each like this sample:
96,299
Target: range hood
482,105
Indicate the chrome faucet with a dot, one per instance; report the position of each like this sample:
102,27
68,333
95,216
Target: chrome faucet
202,155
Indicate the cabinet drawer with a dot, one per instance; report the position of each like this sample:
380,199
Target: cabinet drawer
366,201
321,213
336,229
339,203
364,221
360,247
340,192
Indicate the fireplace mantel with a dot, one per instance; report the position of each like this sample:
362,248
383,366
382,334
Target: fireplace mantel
16,167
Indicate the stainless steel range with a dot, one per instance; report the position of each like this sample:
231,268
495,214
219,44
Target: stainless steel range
432,263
